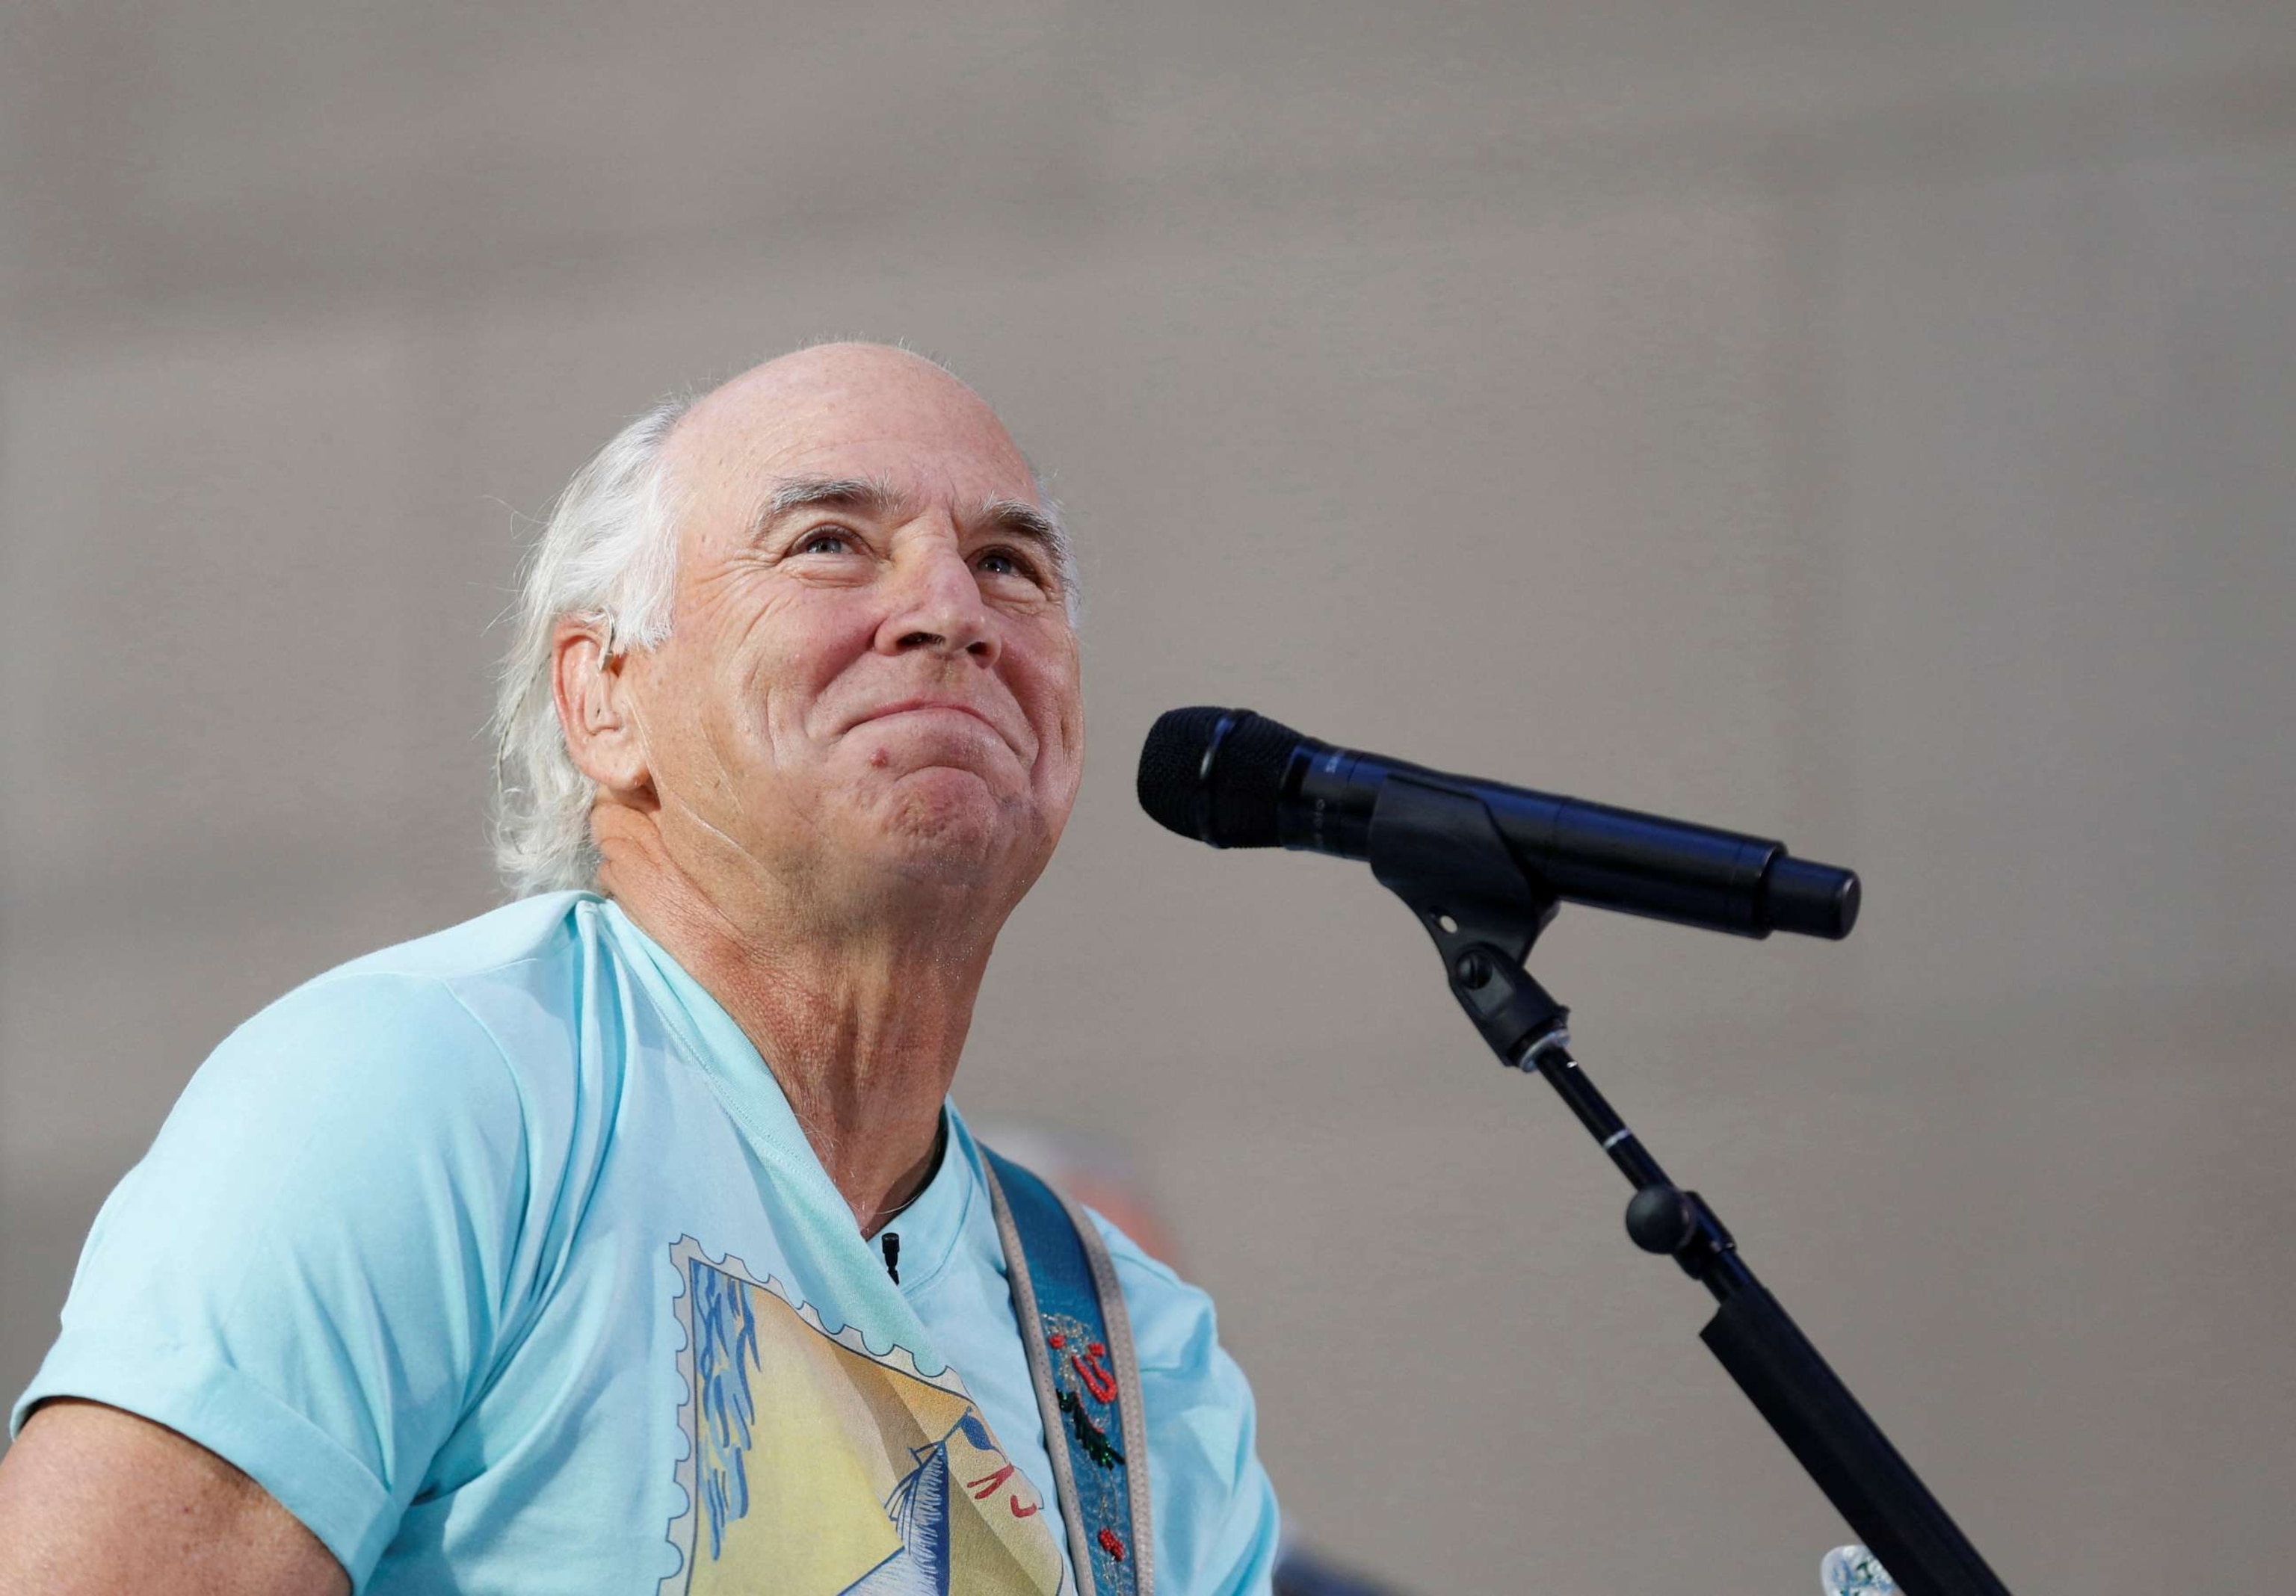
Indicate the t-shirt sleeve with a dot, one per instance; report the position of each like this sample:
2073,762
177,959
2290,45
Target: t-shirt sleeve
1216,1523
306,1272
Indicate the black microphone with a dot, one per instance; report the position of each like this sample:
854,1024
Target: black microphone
1234,779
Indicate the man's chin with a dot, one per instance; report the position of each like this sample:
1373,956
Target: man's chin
944,823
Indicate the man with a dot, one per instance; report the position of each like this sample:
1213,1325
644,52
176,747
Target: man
557,1251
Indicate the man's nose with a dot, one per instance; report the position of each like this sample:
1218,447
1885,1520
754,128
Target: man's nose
937,606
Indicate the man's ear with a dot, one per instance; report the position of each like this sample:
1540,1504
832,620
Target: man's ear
593,690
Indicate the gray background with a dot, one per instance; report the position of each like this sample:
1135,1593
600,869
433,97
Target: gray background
1865,425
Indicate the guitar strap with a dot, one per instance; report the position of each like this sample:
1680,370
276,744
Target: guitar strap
1088,1380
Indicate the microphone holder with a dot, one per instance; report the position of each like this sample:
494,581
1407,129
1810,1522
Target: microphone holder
1441,852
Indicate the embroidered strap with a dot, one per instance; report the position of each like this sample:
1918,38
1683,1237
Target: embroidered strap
1080,1357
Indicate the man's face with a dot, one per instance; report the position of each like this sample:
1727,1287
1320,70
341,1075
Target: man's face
871,682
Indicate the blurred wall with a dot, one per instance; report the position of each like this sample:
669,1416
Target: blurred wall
1869,426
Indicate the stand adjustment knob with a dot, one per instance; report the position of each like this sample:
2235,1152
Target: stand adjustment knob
1660,1219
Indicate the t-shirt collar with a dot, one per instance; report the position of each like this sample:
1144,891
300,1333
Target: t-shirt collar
928,1228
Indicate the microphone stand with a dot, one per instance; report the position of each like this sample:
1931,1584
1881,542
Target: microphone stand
1442,854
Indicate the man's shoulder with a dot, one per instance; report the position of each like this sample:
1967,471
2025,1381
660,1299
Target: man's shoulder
1174,1327
540,929
448,1010
525,951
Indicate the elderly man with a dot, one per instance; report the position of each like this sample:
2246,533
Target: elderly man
623,1238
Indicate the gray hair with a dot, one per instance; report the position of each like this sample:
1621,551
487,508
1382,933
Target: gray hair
607,556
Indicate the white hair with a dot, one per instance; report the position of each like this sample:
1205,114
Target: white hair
607,556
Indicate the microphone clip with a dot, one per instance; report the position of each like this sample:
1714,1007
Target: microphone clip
1439,850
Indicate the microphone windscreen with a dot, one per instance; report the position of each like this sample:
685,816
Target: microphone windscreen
1231,800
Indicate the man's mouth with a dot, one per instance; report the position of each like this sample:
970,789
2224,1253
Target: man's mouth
927,706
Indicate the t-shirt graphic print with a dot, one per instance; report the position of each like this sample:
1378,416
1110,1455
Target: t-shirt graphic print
816,1465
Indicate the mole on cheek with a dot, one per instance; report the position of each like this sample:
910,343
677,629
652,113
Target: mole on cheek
880,758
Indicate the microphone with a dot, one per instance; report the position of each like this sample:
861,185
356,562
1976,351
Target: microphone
1234,779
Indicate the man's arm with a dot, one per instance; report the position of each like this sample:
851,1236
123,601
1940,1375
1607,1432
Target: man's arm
302,1277
94,1502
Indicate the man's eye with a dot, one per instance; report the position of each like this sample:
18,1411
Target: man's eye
1004,562
829,540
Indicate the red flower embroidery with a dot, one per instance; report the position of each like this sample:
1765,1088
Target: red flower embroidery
1112,1545
1096,1376
1057,1340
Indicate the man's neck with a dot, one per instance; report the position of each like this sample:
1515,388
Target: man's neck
862,1025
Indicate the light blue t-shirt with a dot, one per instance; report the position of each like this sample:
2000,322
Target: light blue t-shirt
500,1260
